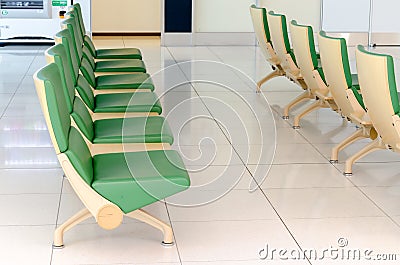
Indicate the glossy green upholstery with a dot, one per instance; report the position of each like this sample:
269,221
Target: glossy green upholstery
141,101
114,65
120,102
116,81
134,180
56,104
121,53
87,66
153,129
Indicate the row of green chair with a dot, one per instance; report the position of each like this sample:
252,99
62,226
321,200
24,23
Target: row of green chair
113,146
328,78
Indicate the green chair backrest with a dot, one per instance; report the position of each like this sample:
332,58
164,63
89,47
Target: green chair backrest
335,62
87,54
76,107
58,55
52,99
85,92
70,24
87,41
77,29
376,76
260,25
304,50
66,139
87,71
78,11
64,37
79,155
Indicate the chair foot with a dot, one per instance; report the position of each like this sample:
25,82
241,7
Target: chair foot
348,174
58,247
296,127
373,146
303,96
167,244
285,118
333,161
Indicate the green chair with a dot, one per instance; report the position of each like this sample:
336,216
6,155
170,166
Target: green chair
71,65
307,60
129,134
119,53
260,25
345,90
280,41
102,66
376,76
102,106
118,81
110,185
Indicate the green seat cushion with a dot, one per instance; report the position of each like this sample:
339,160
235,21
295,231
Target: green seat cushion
119,53
133,130
125,81
357,94
127,102
133,65
134,180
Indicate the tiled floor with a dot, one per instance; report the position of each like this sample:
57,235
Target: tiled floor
256,182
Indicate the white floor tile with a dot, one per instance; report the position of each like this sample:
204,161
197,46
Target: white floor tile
228,240
385,197
321,203
298,176
29,209
26,244
217,206
32,181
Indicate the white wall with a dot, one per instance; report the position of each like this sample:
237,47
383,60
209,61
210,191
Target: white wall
222,16
126,16
304,11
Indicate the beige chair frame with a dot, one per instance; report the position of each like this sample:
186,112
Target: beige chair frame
333,52
301,46
259,17
276,24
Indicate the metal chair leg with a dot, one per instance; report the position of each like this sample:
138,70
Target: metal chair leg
79,217
374,145
303,96
145,217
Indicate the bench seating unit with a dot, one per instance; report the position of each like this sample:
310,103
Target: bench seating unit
110,185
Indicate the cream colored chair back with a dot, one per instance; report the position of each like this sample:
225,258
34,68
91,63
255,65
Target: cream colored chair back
335,62
280,41
261,29
304,50
378,86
